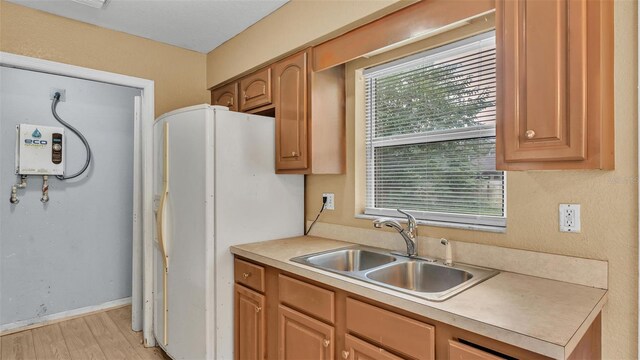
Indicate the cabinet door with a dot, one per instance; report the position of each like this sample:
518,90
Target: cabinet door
459,351
226,96
255,90
396,332
542,80
249,324
291,112
357,349
302,337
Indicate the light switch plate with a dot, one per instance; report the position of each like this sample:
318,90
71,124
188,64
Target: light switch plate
570,218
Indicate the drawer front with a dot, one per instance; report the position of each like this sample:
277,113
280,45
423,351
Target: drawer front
459,351
390,330
250,275
310,299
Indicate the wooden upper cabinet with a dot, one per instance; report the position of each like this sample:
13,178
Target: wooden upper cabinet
310,125
309,110
250,332
555,95
291,112
302,337
255,90
548,77
226,95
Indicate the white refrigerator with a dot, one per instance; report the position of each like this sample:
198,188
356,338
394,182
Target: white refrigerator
215,186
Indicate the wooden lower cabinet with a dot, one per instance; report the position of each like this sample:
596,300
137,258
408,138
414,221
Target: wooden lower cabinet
459,351
301,319
357,349
406,336
303,337
249,343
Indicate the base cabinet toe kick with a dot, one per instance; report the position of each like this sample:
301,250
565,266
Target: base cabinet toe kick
279,315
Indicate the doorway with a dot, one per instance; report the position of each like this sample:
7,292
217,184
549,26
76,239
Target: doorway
67,264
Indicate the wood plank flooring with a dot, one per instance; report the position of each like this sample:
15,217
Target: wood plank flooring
101,336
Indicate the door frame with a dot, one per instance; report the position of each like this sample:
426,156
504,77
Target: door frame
142,291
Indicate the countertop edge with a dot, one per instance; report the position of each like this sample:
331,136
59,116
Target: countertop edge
586,324
405,302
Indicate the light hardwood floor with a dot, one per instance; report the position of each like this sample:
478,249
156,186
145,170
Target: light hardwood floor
100,336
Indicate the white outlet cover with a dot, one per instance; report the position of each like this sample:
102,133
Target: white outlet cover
569,218
330,205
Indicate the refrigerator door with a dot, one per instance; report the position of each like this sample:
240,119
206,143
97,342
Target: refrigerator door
222,190
252,204
187,232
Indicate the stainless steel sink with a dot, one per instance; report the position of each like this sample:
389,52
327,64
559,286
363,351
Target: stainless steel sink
420,276
350,260
424,278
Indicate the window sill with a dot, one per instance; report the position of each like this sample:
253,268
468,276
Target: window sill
487,228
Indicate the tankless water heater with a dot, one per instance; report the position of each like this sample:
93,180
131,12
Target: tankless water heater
39,150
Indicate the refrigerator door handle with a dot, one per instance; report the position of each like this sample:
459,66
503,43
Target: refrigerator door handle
160,228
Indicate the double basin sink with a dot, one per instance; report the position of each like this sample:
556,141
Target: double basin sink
424,278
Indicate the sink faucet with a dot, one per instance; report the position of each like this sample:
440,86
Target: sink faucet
408,234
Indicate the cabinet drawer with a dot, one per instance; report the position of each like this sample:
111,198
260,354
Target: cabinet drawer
390,330
459,351
314,301
250,275
255,90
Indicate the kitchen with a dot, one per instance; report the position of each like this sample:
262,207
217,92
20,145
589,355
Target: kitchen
608,198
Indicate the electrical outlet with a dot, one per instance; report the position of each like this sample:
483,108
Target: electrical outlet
330,205
570,218
63,94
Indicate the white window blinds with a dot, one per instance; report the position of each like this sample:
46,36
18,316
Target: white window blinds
430,135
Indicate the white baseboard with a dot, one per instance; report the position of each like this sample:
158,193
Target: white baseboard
61,316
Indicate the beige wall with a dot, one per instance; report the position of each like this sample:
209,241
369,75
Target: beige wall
608,198
297,24
179,75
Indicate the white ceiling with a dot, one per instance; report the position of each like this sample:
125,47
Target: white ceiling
199,25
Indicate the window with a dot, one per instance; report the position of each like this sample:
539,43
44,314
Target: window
430,135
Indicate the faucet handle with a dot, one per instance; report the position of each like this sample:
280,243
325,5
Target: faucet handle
411,220
448,257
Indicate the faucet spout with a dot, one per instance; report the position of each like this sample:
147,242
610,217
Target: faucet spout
408,234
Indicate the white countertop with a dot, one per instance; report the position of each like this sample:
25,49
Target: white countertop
544,316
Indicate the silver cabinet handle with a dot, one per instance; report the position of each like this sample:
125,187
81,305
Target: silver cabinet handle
345,354
246,275
326,343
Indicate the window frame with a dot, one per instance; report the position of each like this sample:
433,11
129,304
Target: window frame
482,222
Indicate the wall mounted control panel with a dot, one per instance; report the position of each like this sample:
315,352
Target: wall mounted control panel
39,150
